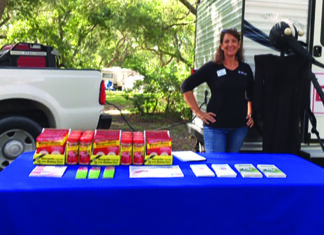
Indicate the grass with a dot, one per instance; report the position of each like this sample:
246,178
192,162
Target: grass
181,140
117,98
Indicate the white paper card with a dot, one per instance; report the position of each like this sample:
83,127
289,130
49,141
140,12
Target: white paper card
155,171
202,170
48,171
248,171
188,156
224,170
271,171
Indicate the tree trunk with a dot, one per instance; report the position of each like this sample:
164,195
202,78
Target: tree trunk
3,4
189,6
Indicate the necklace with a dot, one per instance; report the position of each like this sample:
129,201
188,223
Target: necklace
232,65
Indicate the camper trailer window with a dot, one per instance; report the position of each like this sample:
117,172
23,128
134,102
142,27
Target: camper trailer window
107,75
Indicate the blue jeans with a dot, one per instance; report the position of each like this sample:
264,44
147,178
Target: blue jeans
224,139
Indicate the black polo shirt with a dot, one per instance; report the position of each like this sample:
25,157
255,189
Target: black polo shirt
230,91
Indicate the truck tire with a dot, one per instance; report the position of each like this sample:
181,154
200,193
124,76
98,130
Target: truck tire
17,135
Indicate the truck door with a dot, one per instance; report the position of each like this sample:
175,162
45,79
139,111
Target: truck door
317,43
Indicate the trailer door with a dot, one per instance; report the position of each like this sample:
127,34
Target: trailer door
317,42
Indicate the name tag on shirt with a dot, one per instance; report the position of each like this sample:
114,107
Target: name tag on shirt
221,72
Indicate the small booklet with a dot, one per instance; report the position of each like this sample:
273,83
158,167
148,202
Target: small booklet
224,170
248,171
155,171
271,171
188,156
48,171
202,170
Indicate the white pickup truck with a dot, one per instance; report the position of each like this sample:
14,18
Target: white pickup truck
34,98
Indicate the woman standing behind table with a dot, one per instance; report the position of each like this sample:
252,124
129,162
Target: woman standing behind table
229,109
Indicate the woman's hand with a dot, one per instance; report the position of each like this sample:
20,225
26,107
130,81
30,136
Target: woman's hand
191,101
206,117
250,121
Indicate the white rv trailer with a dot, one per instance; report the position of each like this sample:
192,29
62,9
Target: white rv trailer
121,78
215,15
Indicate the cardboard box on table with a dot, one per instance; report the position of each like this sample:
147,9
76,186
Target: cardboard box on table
106,148
126,148
138,148
50,147
158,148
85,147
72,154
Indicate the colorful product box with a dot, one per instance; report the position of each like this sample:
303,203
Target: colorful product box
52,141
103,147
157,139
106,142
72,147
158,148
126,148
106,148
138,148
85,147
50,147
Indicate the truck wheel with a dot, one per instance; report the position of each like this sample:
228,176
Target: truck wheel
17,135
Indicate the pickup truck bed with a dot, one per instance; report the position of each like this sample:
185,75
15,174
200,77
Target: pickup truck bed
32,99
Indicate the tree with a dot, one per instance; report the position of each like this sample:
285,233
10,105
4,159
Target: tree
3,4
114,30
10,10
191,8
152,37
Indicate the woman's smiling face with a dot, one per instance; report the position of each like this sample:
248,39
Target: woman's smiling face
230,45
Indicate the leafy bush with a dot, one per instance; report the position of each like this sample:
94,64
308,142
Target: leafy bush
160,94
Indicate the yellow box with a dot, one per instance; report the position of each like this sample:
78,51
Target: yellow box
105,160
48,159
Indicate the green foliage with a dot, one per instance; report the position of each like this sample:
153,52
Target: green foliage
161,93
152,37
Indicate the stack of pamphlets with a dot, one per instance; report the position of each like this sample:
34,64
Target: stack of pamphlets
248,171
201,170
271,171
224,170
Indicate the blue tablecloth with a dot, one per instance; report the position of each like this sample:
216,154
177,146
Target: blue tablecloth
188,205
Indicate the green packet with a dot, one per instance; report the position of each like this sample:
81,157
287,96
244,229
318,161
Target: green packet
94,172
109,172
82,172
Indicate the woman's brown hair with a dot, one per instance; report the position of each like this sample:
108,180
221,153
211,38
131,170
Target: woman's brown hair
219,57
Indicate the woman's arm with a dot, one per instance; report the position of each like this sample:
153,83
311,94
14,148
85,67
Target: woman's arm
191,101
249,114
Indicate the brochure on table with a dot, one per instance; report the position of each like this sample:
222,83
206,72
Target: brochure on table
155,171
271,171
248,170
48,171
224,170
188,156
202,170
